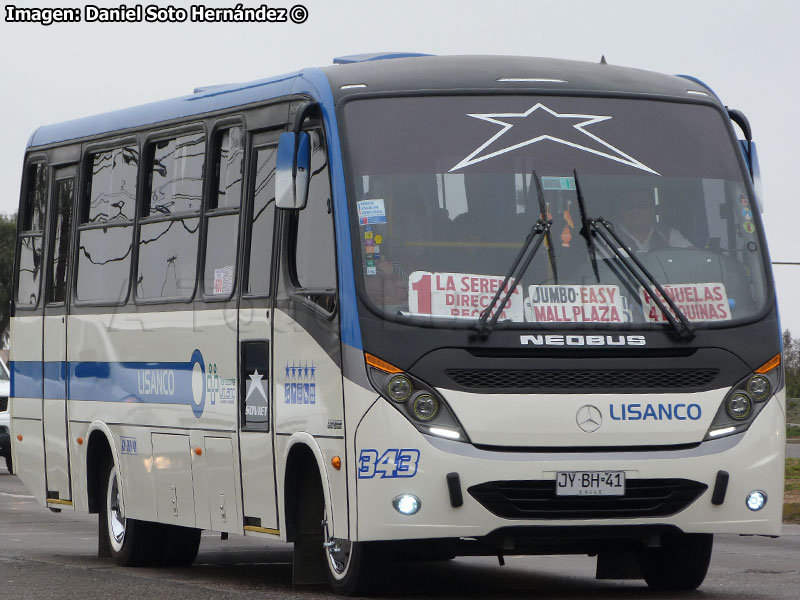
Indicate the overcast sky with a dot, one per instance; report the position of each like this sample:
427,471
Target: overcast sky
748,52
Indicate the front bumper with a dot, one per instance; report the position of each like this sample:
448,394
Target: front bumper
753,459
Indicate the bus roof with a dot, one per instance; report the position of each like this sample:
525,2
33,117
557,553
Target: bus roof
402,74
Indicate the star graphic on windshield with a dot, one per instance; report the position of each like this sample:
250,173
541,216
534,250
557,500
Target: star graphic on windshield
541,123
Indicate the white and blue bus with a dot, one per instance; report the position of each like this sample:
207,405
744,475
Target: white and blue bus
404,305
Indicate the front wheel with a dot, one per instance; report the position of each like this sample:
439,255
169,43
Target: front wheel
130,542
354,568
681,563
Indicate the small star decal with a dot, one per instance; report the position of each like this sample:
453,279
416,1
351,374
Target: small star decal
255,384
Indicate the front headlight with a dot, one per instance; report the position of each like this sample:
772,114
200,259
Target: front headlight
746,399
419,402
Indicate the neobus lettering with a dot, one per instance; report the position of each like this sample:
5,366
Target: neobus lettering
582,340
154,382
656,412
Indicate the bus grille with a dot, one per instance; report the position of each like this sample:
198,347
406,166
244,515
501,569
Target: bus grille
662,379
538,500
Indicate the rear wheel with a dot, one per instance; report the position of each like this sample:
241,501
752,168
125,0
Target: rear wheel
681,563
180,546
130,542
9,464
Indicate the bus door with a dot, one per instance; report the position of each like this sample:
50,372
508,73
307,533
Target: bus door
255,340
54,354
306,339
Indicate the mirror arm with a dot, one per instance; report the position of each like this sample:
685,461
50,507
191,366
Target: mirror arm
302,113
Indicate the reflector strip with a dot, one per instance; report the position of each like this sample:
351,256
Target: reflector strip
769,365
382,365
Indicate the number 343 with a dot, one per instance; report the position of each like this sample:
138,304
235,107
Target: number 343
392,463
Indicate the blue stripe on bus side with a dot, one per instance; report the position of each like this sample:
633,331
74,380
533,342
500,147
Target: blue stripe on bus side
149,382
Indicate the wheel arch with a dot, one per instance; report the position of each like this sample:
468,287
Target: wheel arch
99,447
301,456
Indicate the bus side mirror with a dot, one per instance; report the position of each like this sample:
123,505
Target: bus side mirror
293,170
755,172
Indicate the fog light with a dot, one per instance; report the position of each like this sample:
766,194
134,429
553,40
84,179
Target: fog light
758,388
407,504
756,500
738,406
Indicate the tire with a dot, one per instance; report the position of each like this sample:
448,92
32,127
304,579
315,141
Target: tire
681,563
180,546
131,543
9,464
354,568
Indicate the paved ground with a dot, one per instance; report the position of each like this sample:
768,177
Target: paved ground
793,451
47,555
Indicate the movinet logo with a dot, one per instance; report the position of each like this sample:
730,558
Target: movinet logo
582,340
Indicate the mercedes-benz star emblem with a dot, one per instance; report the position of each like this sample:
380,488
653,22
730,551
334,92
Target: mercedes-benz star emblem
589,418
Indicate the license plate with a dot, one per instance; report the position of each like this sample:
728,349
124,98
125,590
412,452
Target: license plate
590,483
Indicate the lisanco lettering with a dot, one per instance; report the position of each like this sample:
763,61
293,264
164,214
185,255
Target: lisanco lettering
632,411
582,340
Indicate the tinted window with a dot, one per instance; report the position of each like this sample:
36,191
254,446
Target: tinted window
168,259
30,268
112,187
35,197
65,190
315,256
262,221
176,175
104,264
228,157
220,269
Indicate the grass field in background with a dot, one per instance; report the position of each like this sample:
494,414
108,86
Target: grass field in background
793,416
791,497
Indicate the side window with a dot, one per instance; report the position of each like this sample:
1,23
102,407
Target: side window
59,252
29,263
222,216
105,230
170,223
315,251
262,218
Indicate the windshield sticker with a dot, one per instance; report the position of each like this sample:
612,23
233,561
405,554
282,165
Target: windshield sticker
747,214
698,301
371,212
748,226
541,123
575,304
459,295
558,183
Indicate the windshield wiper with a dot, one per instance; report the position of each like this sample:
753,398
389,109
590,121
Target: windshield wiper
518,268
604,229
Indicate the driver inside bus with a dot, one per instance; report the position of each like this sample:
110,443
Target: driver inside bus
638,227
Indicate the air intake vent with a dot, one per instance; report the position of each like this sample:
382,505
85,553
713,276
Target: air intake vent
3,403
566,380
538,500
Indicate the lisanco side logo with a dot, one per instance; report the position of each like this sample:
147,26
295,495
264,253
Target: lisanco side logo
582,340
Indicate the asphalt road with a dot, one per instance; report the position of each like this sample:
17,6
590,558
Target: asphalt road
47,555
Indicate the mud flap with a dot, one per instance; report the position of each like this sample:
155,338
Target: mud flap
308,565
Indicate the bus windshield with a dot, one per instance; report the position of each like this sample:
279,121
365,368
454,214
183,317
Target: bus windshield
446,188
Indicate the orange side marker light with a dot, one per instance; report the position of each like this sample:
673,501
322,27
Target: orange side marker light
19,437
80,441
769,365
336,462
198,451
